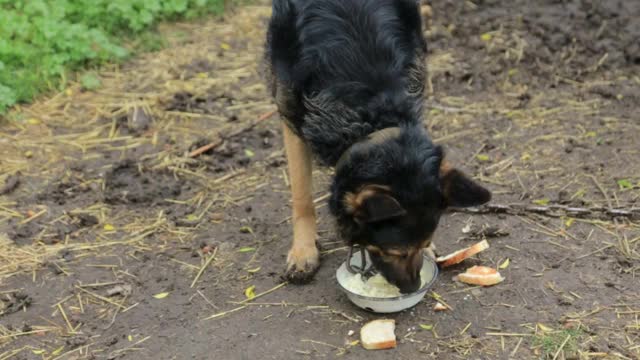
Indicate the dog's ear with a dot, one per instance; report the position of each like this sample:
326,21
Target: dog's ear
459,190
373,203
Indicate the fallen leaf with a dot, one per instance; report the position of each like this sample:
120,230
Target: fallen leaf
544,328
250,292
161,295
247,249
246,230
109,227
426,327
624,184
569,222
249,153
504,264
57,351
482,157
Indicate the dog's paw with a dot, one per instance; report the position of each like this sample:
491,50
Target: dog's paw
302,264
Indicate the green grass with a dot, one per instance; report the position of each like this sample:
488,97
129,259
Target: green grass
43,42
550,342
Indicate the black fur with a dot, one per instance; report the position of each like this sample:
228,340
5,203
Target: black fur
341,70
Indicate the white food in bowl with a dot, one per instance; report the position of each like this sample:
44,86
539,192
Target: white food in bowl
377,286
389,304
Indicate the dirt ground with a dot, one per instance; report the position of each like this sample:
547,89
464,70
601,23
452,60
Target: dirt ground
106,220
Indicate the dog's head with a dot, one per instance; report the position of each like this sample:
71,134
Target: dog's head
388,196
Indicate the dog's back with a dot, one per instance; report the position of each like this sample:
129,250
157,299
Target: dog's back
345,68
348,78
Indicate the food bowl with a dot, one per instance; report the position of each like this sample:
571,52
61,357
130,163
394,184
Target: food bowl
386,304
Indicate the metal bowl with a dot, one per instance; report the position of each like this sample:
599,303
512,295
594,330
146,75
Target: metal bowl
387,304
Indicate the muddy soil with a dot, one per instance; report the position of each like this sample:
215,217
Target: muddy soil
106,219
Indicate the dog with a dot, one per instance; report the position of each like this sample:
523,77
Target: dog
348,79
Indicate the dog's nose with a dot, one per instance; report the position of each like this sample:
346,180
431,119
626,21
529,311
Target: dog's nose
409,287
409,284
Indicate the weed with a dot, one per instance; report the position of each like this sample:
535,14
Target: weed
551,342
43,41
90,81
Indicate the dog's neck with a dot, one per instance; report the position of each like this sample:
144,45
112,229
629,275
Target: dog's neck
375,138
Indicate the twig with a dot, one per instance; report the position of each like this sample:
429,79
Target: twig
101,284
553,210
214,316
114,353
322,343
78,349
207,300
603,191
350,318
115,314
439,298
101,297
33,217
66,319
203,149
515,350
39,331
206,264
561,347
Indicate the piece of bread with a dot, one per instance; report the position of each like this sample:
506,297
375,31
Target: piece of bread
481,275
378,334
460,255
439,307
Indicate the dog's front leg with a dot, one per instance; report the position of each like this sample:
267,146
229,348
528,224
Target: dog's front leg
303,259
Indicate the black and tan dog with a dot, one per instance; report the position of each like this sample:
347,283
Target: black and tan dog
348,79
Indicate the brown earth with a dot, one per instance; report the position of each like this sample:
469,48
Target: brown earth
538,101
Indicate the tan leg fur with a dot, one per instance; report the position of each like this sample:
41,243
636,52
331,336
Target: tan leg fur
304,258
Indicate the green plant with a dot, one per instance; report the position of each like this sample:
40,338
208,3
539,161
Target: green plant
43,41
90,81
562,340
